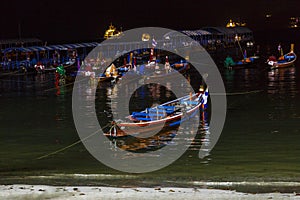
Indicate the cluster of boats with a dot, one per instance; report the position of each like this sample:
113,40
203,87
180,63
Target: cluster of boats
151,70
166,116
286,60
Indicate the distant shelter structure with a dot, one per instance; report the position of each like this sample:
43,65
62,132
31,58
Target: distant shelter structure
13,58
211,38
26,42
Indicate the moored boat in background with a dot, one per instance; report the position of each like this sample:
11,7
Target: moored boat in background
170,71
230,64
286,60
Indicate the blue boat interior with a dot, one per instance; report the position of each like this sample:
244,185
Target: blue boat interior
167,107
287,58
153,110
143,119
138,114
189,102
153,113
161,111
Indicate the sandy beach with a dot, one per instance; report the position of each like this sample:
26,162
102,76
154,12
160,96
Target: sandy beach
24,192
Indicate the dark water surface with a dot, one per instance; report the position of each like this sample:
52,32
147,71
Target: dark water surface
259,143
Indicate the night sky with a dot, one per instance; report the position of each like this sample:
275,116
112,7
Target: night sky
65,21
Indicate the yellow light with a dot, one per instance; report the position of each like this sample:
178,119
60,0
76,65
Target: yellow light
230,24
111,31
145,37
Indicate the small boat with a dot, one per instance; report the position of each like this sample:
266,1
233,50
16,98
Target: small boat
169,72
169,114
181,64
110,75
245,61
286,60
39,67
229,63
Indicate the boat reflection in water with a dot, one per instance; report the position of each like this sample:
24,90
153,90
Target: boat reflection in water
282,80
282,93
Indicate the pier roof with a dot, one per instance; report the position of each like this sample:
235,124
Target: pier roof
196,32
227,31
187,32
51,47
20,41
220,30
242,30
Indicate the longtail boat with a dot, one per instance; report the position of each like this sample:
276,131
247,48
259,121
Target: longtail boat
286,60
169,114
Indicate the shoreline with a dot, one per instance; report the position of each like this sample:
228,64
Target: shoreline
133,181
23,191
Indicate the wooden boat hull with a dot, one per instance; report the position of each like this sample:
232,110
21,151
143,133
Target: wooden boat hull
284,63
118,133
157,123
172,119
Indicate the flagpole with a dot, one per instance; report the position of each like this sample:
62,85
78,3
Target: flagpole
154,43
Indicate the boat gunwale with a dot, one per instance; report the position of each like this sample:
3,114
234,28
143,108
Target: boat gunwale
141,124
285,64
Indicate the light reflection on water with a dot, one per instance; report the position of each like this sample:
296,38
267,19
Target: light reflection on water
282,93
260,138
147,96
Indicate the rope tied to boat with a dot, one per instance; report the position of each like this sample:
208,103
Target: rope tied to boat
241,93
113,129
71,145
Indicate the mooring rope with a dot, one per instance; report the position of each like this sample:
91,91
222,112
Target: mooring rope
71,145
236,93
72,83
55,88
241,93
